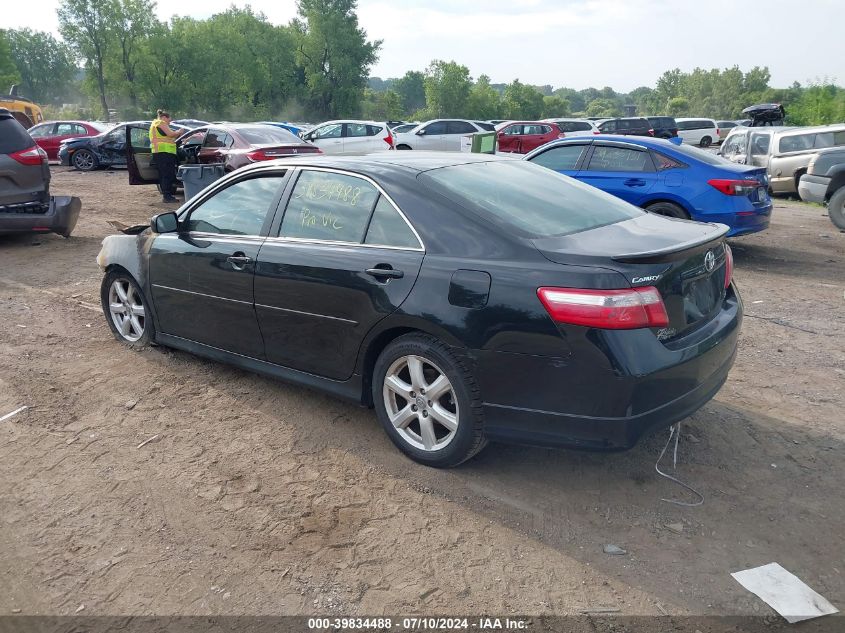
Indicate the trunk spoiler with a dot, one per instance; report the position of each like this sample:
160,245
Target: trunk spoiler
699,243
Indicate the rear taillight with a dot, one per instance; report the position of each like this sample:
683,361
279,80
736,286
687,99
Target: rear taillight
257,155
624,309
734,187
651,132
729,265
30,156
388,139
561,135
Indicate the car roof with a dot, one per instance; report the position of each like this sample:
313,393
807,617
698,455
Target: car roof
366,121
694,118
417,161
643,141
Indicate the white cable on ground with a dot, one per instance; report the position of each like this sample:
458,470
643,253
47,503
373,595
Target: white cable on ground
675,431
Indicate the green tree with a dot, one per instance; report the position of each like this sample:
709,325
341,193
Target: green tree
8,72
134,24
385,105
447,88
522,102
335,55
484,101
603,107
89,27
677,106
45,65
411,90
554,106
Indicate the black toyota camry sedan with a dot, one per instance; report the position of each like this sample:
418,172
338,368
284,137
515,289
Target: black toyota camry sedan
466,298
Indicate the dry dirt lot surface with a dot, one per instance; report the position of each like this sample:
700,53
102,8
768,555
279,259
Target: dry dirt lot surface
258,497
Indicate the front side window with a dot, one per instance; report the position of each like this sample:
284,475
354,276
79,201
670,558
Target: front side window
608,126
606,158
760,144
327,206
115,136
333,130
560,158
41,131
239,209
438,127
193,140
388,228
513,130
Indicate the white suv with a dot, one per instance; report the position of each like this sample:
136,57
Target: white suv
701,132
439,134
575,127
350,137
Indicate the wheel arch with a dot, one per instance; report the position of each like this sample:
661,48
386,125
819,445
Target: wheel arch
672,200
378,339
836,183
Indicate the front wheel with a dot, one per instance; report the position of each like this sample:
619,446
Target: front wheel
706,141
403,146
126,309
836,208
428,402
84,160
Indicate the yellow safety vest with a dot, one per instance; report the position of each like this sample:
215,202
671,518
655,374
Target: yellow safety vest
159,142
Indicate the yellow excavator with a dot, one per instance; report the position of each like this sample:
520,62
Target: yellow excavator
25,111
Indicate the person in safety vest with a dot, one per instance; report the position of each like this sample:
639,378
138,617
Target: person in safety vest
163,146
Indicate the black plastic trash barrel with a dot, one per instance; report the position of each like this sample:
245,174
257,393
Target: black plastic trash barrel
195,178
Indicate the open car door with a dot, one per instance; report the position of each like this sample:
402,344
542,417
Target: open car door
139,157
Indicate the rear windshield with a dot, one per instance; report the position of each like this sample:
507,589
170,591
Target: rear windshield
13,136
704,156
535,200
268,135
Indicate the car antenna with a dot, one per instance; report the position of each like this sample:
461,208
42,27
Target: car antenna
675,431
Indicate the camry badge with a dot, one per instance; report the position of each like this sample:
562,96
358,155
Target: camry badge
709,261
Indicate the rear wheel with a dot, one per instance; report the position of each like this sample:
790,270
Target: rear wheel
836,208
428,402
126,309
403,146
705,142
84,160
669,209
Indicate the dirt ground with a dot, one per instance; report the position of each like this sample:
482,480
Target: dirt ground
258,497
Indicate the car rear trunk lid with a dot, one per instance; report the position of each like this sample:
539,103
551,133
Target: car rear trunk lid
685,261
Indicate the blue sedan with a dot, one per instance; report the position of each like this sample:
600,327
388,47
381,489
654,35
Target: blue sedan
660,176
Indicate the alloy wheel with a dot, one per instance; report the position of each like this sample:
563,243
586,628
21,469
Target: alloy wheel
83,160
127,310
421,403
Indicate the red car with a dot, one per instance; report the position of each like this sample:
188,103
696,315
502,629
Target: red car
49,135
520,137
232,145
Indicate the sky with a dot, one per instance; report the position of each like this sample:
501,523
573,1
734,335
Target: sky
574,43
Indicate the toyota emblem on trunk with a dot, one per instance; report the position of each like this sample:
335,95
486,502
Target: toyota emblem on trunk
709,261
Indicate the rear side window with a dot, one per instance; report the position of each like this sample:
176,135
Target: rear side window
13,136
267,135
356,129
796,143
826,139
327,206
460,127
664,162
607,158
519,195
388,228
239,209
487,127
217,139
560,158
574,126
372,130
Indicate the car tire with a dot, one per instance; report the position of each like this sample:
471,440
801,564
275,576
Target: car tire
84,160
836,208
403,146
126,309
669,209
705,142
444,431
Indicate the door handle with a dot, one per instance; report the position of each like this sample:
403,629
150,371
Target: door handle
385,271
635,182
239,260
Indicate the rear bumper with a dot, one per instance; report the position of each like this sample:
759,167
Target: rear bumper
608,408
60,218
743,222
813,188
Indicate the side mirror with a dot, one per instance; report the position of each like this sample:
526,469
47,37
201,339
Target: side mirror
420,133
165,223
676,140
